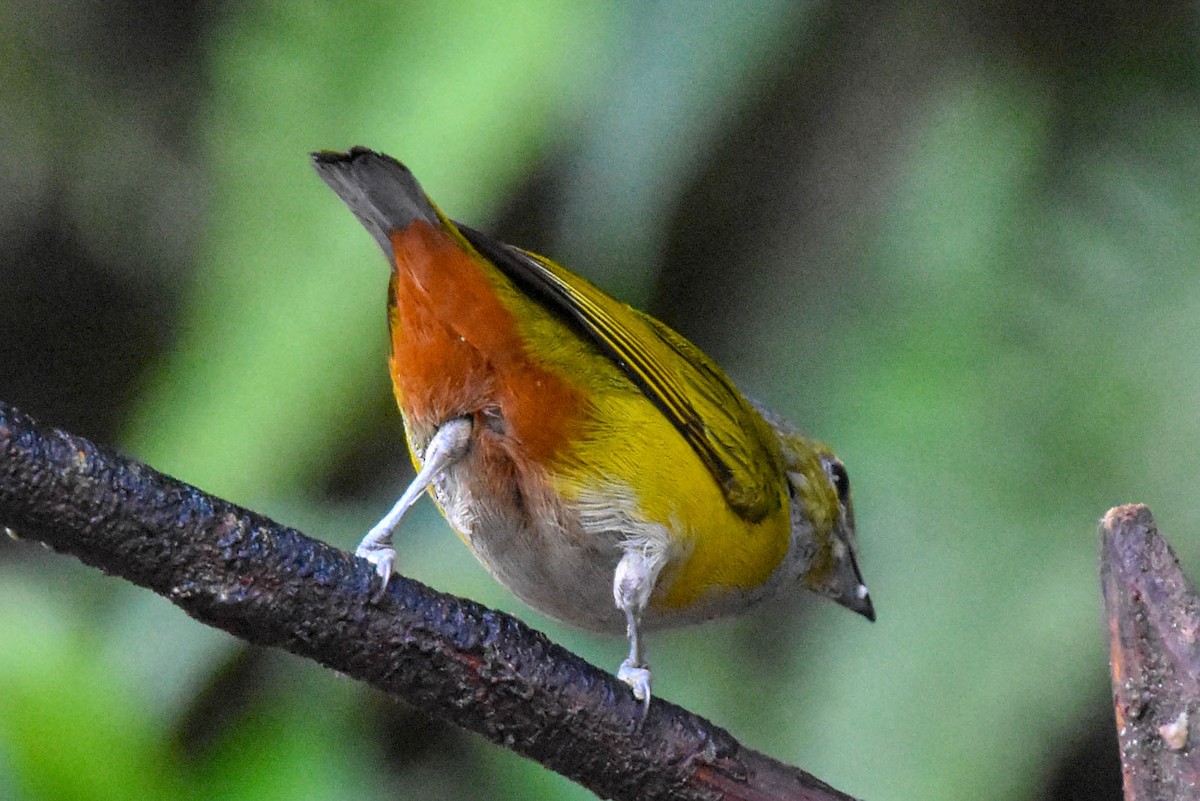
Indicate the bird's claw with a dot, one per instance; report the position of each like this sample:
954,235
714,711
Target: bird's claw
382,557
638,679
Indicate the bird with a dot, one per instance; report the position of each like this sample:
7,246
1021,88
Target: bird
597,463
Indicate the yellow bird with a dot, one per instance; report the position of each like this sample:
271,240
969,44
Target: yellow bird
596,462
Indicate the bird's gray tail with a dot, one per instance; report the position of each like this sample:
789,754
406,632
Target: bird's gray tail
382,192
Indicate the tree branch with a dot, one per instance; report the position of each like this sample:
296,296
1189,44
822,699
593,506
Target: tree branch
1153,626
483,670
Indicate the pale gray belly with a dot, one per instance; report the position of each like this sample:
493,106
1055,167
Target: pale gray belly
556,566
563,563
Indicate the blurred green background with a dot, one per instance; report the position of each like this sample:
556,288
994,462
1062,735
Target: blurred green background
956,240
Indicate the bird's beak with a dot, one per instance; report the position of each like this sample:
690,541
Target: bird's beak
852,592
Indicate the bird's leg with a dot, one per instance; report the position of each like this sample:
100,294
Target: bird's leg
447,446
633,582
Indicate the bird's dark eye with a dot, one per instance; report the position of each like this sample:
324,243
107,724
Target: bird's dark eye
839,477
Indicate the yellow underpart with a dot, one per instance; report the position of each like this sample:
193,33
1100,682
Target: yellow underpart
713,549
630,444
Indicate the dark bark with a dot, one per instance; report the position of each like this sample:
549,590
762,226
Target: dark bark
1153,625
236,570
